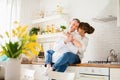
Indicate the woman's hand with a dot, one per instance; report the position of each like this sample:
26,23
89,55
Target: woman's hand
69,38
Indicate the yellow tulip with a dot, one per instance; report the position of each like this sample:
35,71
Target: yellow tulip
27,53
24,29
7,34
33,37
15,22
18,28
33,50
35,45
25,36
14,32
1,53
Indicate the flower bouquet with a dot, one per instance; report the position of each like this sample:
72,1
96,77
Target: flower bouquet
17,42
20,42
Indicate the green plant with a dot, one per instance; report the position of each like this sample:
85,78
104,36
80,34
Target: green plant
33,31
63,27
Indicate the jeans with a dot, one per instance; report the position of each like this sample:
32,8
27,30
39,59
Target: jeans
48,56
63,62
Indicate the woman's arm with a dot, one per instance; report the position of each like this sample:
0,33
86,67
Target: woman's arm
81,43
77,43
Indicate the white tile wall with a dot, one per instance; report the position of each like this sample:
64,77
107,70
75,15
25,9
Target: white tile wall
105,37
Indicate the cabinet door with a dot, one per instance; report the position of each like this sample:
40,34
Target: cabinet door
75,70
39,71
92,77
114,73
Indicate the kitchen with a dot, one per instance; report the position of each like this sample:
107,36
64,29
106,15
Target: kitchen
106,35
99,45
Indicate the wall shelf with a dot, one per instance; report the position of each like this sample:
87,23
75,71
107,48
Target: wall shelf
49,35
49,18
47,38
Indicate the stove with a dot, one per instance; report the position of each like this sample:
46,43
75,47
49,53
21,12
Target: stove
104,62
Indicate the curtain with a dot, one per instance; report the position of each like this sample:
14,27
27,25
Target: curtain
118,13
9,12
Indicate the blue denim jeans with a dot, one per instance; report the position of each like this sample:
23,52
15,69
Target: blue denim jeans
48,56
63,62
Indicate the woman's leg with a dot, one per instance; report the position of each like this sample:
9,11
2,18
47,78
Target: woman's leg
66,59
48,57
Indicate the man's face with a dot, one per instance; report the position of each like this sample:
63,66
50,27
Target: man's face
73,25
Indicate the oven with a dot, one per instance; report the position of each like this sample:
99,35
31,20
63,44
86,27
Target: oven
93,73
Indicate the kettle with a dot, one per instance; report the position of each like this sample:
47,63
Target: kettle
112,56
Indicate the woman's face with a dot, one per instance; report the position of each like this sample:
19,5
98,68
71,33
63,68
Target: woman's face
81,31
73,25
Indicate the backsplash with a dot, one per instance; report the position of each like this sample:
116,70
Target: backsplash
105,38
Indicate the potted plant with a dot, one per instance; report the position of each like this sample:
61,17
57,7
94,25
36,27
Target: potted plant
33,31
63,27
19,42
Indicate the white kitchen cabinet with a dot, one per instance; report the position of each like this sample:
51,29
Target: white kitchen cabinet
89,73
39,71
93,73
74,69
114,73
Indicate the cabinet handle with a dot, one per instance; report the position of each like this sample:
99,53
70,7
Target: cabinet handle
94,77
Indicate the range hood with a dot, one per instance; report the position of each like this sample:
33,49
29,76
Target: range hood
105,18
108,13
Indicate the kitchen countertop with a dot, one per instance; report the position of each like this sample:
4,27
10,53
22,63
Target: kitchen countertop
82,64
98,65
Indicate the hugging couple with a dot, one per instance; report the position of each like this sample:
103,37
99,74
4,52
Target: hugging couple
70,47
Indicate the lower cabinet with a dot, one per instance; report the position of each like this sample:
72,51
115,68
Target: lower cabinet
81,73
89,73
114,73
74,69
39,71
